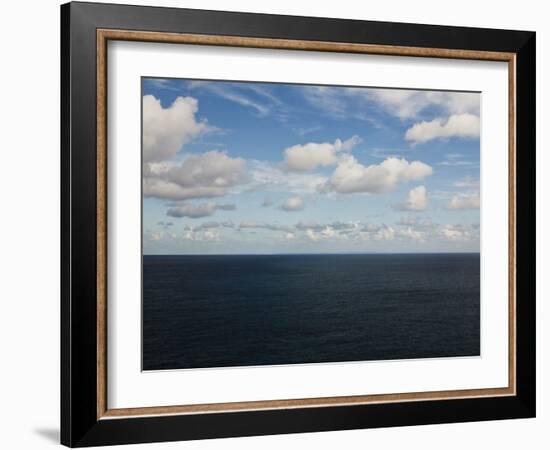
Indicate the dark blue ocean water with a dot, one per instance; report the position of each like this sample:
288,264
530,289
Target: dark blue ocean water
213,311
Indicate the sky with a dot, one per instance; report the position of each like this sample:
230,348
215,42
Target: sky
268,168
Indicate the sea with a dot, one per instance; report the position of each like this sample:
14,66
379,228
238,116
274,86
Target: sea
252,310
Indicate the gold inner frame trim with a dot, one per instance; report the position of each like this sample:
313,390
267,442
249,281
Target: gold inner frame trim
103,36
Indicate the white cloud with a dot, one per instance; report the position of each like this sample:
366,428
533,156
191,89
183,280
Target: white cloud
310,225
328,232
407,104
417,200
422,231
312,235
335,230
402,103
269,177
325,233
212,168
207,175
160,236
201,236
293,204
171,239
411,233
167,190
302,158
326,99
165,130
455,233
195,211
429,232
459,125
351,176
385,233
414,229
464,201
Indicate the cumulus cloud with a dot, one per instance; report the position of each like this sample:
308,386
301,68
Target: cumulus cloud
293,204
464,201
417,200
213,169
167,190
306,157
459,125
166,130
198,176
195,211
351,176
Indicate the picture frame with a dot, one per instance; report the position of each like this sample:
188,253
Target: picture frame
86,29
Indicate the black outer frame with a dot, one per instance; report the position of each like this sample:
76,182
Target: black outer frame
79,424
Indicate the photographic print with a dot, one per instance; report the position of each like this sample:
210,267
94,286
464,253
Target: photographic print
302,224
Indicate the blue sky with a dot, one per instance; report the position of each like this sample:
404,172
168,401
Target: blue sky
243,167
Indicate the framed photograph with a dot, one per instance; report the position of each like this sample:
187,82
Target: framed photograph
276,224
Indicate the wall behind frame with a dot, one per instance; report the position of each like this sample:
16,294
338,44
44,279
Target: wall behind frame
29,224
